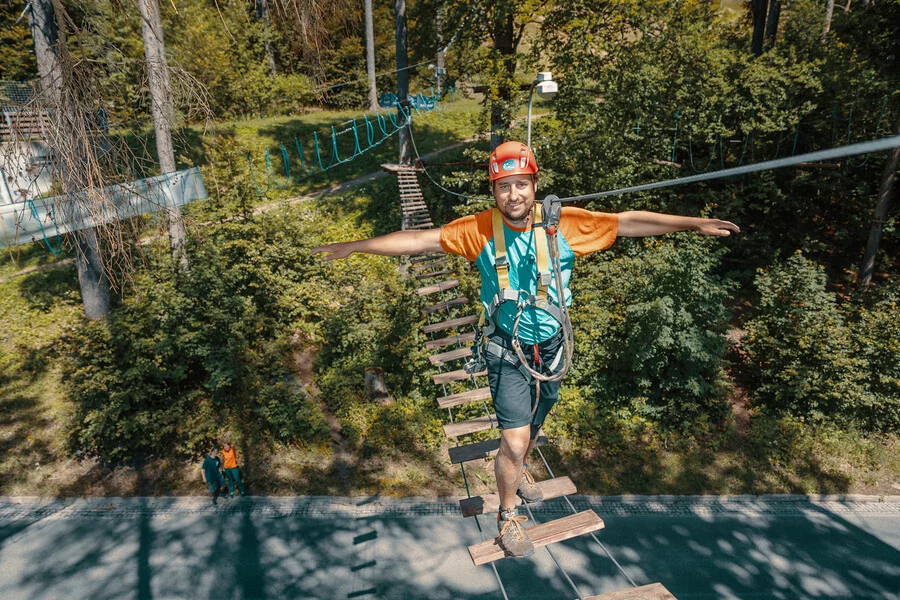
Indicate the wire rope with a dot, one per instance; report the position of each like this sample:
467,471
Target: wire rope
886,143
412,138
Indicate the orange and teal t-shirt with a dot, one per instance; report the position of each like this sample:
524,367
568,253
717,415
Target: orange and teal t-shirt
230,458
580,232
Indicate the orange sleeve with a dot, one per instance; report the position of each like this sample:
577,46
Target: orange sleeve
587,231
468,236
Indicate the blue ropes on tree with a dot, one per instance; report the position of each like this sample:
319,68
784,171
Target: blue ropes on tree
36,216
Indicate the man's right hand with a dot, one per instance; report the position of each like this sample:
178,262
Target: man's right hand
335,251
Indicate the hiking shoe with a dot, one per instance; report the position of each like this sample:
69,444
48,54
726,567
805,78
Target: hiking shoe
528,489
513,538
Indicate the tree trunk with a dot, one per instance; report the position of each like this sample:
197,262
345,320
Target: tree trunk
505,45
402,77
45,33
262,14
829,12
758,9
772,22
370,56
163,115
439,71
882,204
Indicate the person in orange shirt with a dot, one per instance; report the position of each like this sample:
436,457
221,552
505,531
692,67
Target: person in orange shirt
232,472
520,401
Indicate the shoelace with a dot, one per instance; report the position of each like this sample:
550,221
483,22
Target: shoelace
528,478
516,523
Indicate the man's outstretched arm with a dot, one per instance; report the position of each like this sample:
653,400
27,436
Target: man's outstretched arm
640,223
398,243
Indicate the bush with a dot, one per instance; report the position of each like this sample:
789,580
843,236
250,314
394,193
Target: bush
799,347
877,341
650,330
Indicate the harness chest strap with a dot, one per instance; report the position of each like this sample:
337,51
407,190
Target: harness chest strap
501,262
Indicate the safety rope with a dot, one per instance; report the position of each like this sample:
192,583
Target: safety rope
820,155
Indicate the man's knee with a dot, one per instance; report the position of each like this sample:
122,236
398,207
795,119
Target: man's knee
514,442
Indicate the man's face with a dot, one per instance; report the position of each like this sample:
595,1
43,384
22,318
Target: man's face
515,197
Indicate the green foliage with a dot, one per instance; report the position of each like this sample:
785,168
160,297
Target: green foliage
799,347
650,331
877,341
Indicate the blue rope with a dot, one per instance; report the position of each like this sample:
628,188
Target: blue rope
334,150
318,151
300,155
259,190
712,154
370,132
356,150
269,174
796,138
34,214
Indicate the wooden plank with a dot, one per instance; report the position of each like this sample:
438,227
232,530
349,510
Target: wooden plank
443,273
490,503
429,265
437,287
541,535
453,339
443,357
451,376
445,305
458,322
452,430
482,393
420,258
461,454
654,591
423,226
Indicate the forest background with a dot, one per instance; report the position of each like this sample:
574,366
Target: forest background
754,364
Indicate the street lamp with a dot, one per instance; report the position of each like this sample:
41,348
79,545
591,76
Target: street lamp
546,88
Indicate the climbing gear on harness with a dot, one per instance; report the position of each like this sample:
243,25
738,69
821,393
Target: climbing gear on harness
528,490
512,537
511,158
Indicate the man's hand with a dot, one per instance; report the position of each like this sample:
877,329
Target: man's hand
336,250
716,227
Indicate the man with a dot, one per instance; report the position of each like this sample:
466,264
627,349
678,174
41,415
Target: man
520,406
232,472
212,475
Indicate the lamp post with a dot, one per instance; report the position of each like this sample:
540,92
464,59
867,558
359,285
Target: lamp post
546,88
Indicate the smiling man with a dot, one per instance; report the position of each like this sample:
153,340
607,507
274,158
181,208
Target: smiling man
520,401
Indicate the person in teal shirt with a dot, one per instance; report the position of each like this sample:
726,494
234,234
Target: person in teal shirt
212,474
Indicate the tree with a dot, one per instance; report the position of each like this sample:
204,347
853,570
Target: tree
47,20
402,77
163,114
370,56
882,204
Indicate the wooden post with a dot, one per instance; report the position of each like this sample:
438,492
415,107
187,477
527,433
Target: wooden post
370,55
402,77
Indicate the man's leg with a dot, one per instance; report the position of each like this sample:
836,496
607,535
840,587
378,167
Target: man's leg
236,476
229,477
510,461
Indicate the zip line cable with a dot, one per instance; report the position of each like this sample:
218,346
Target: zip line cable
887,143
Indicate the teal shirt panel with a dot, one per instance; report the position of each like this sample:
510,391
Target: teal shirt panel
536,325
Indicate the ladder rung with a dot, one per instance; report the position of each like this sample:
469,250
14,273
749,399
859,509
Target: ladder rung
465,338
458,322
435,263
541,535
654,591
445,305
451,376
490,504
453,430
434,274
420,258
461,454
437,287
482,393
443,357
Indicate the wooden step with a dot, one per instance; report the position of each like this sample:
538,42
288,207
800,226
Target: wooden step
434,274
420,258
452,430
453,339
541,535
461,454
490,504
654,591
421,266
437,359
451,376
422,226
437,287
482,393
446,306
450,323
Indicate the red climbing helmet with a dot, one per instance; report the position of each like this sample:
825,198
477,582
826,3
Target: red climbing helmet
511,158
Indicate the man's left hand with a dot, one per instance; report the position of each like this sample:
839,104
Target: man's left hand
716,227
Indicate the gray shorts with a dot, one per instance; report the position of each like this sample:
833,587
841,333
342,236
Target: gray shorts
514,393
